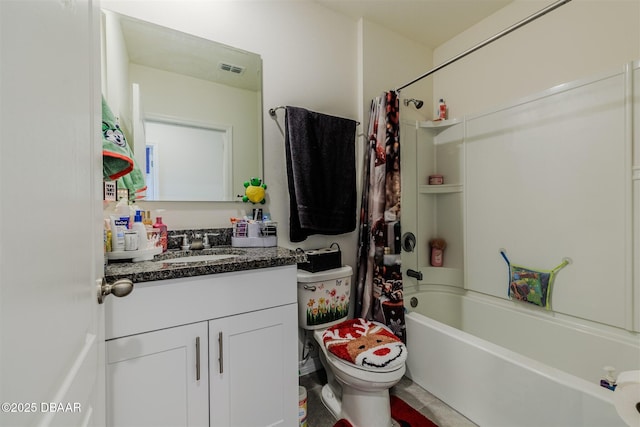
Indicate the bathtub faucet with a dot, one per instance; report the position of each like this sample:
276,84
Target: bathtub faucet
414,274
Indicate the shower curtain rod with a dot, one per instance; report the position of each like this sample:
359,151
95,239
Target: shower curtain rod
487,41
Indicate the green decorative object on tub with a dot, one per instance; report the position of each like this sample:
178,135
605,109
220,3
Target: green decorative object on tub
254,191
531,285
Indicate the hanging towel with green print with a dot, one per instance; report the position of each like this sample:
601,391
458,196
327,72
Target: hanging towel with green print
118,162
531,285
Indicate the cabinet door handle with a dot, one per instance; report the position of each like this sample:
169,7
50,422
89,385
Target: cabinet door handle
220,350
197,358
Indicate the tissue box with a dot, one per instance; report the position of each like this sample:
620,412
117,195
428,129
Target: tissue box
322,259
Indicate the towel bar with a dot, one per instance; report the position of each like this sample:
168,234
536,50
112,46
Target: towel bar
272,112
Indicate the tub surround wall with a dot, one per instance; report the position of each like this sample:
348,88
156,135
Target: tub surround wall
549,177
522,177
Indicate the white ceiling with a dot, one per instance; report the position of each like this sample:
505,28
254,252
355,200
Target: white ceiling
170,50
430,22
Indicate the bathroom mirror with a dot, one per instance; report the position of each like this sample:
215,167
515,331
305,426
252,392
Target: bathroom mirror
190,108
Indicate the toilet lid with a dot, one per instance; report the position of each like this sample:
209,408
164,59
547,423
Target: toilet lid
365,344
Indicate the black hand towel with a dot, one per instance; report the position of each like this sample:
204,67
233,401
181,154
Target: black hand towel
321,173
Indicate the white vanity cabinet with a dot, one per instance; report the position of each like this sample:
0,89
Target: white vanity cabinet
237,331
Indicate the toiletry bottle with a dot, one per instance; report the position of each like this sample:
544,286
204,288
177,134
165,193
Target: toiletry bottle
437,251
108,244
163,232
148,225
442,110
118,226
147,219
107,235
122,207
139,228
133,210
609,380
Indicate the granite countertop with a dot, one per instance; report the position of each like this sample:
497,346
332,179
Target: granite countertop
246,259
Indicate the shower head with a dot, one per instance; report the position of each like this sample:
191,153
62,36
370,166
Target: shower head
418,104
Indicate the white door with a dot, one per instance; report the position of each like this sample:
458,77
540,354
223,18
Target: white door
51,327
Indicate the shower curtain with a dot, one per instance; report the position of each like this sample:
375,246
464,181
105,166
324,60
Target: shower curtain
379,276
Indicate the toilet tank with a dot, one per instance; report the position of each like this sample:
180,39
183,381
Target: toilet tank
323,297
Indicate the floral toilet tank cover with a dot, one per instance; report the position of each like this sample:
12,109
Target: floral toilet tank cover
365,343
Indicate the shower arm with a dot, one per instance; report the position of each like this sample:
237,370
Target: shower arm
487,41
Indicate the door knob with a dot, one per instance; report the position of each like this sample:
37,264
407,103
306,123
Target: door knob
119,288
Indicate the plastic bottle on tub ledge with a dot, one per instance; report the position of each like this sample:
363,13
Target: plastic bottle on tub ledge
442,111
437,246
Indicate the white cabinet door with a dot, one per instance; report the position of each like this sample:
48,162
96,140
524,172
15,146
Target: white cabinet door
253,368
159,378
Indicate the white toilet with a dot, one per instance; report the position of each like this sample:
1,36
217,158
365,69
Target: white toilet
355,390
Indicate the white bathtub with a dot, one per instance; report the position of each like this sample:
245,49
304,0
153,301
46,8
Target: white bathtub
508,365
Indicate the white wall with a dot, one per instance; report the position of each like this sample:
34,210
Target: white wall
577,40
388,62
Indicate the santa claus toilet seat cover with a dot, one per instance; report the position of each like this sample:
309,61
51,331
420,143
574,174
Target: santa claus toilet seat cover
366,344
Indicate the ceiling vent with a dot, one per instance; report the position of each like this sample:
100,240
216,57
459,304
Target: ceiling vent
235,69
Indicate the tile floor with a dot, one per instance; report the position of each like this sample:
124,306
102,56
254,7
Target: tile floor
420,399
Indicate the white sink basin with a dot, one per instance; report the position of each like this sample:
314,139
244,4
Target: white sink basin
199,258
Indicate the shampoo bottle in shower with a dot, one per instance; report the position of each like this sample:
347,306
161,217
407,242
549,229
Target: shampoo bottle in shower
442,110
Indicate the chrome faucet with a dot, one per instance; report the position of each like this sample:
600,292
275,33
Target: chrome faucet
197,243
